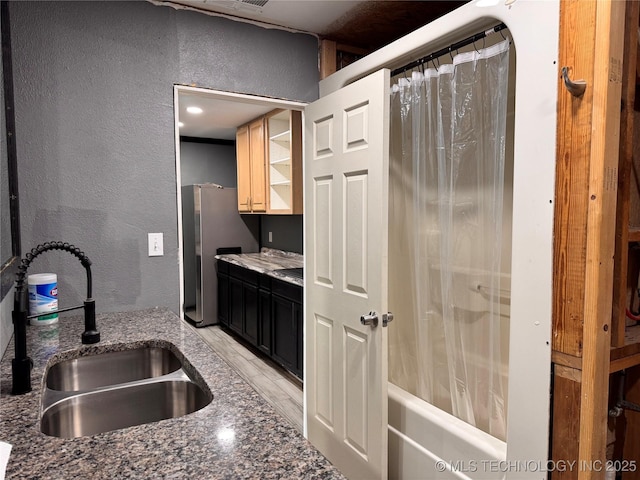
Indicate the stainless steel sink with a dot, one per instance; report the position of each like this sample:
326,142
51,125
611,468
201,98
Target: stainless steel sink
120,407
111,368
113,390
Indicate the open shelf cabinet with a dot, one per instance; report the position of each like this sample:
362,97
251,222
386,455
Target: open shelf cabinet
284,161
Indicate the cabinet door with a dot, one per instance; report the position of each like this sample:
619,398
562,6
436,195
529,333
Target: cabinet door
257,159
250,326
286,328
223,299
264,324
244,169
236,304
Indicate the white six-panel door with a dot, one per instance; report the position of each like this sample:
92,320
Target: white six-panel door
346,222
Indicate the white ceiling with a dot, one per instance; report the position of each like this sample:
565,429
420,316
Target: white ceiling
222,112
219,118
311,16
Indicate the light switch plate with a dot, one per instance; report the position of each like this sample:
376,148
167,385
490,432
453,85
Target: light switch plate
156,247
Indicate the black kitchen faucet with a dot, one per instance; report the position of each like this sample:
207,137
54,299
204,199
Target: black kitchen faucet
21,365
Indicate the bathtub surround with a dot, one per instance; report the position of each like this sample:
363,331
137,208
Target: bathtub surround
238,435
451,209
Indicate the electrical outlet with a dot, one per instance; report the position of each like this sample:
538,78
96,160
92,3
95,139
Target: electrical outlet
270,237
156,247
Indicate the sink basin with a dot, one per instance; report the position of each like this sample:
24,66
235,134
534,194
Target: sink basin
108,391
111,368
120,407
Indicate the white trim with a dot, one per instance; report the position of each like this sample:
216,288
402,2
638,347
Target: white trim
176,130
244,98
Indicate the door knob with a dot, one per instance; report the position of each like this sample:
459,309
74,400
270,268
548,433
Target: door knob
370,319
386,318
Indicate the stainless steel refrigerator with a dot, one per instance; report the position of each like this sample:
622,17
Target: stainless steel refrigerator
210,221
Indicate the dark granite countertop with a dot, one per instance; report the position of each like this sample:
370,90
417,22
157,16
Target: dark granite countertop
238,435
274,263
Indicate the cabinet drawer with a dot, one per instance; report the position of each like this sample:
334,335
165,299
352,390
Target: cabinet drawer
286,290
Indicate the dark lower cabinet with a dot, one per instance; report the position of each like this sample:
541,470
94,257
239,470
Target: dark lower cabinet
223,298
236,304
264,311
287,333
264,326
251,313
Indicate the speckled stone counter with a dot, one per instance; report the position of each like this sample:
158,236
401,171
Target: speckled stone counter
238,435
269,261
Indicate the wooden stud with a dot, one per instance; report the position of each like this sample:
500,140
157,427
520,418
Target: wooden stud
603,166
591,45
566,426
327,58
577,33
618,315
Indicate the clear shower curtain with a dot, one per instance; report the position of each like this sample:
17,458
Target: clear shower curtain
447,193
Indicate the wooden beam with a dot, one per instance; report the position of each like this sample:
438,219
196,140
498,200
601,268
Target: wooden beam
624,363
327,58
633,235
576,51
603,166
355,50
566,425
621,263
566,360
591,46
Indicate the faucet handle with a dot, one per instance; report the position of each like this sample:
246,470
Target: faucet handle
91,333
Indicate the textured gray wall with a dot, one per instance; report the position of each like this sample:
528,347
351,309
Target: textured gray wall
94,111
5,215
286,229
208,163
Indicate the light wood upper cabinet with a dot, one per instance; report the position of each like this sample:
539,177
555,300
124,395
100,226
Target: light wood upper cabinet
269,157
244,168
284,161
250,154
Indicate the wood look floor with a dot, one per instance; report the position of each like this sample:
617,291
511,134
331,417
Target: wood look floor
277,386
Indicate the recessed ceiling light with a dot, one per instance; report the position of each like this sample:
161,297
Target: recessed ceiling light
194,110
180,124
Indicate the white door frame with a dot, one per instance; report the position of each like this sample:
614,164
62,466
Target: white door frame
534,28
272,103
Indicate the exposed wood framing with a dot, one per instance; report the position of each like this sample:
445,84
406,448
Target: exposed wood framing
331,52
605,141
577,44
566,401
620,277
631,450
328,50
591,45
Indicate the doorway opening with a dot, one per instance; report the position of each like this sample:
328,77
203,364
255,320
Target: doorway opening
205,126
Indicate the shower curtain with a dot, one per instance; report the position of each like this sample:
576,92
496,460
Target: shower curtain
448,136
